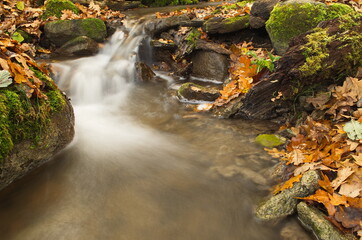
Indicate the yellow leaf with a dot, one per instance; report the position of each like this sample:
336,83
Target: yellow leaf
287,184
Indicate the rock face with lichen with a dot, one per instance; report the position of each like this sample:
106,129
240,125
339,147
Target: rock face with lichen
226,25
325,55
32,130
294,17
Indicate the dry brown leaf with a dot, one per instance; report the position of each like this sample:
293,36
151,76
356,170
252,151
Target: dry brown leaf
342,175
287,184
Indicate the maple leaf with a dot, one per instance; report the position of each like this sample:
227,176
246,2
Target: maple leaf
287,184
323,197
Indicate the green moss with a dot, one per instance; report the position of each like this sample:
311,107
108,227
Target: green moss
22,118
55,8
289,20
193,36
316,49
94,28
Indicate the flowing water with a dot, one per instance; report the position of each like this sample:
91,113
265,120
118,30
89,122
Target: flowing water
141,167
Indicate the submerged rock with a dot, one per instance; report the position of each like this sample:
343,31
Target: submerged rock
193,92
285,203
317,222
294,17
79,46
61,31
226,25
210,65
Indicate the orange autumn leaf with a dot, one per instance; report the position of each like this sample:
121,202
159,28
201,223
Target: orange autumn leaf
287,184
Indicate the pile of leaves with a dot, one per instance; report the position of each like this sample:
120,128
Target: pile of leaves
17,65
333,146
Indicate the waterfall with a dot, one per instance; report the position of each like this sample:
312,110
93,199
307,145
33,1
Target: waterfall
105,78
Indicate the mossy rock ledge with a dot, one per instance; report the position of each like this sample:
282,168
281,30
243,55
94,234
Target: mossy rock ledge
61,31
294,17
32,130
55,8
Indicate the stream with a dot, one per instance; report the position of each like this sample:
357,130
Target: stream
142,166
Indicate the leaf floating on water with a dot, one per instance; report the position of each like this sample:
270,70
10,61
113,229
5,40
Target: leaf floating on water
5,78
353,129
270,140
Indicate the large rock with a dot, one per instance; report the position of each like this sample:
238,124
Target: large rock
285,202
316,221
158,26
210,65
55,8
145,74
192,92
79,46
62,31
226,25
294,17
31,134
121,5
260,12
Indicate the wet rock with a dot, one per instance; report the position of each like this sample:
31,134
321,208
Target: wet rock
293,231
260,12
226,25
316,221
284,203
145,74
62,31
193,92
294,17
196,23
210,65
80,46
158,26
162,45
211,46
121,5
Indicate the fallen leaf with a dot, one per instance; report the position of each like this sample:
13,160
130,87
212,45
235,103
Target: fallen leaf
342,175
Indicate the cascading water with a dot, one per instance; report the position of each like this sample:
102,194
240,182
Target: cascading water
140,168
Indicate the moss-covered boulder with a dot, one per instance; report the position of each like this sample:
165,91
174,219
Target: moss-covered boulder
55,8
32,130
61,31
318,223
226,25
292,18
79,46
190,92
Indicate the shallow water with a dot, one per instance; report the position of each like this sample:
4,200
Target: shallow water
142,166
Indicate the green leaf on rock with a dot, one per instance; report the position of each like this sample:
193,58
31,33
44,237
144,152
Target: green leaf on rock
17,37
353,130
5,78
20,5
270,140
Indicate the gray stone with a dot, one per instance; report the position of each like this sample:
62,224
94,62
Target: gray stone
218,25
158,26
121,5
145,74
79,46
316,221
260,12
210,65
193,92
284,203
60,32
211,46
